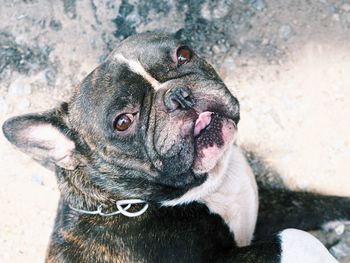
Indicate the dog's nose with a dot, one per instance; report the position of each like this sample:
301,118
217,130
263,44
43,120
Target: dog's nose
178,98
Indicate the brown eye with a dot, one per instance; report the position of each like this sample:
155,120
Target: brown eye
184,55
123,121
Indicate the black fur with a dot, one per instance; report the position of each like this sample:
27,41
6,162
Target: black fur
280,209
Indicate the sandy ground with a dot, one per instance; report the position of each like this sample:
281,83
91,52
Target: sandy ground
287,61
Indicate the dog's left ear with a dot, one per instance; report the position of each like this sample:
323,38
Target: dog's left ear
45,137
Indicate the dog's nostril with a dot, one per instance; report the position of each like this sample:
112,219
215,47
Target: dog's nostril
178,98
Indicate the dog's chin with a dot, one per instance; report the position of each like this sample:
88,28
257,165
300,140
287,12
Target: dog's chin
213,136
212,139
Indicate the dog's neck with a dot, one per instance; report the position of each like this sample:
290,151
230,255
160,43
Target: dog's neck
78,191
93,201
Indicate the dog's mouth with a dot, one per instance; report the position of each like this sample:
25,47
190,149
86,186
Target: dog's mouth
208,130
212,133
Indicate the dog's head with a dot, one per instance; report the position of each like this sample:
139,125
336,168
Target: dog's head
150,122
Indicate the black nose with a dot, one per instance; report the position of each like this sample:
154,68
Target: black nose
178,98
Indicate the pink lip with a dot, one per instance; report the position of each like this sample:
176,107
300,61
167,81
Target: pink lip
202,122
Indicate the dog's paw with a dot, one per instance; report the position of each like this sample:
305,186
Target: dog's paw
299,247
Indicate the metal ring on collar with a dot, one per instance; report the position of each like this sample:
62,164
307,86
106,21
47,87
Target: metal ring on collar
123,210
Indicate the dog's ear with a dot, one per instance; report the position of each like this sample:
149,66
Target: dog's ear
45,137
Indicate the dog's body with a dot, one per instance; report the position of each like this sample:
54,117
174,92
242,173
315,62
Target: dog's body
155,122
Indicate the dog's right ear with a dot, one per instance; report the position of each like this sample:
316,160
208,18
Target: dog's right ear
45,137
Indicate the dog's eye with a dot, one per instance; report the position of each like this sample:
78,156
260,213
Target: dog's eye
184,55
123,121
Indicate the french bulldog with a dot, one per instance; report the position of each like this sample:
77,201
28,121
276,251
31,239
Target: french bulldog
148,169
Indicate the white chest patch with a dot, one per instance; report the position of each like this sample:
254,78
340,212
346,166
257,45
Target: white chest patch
231,192
236,200
299,246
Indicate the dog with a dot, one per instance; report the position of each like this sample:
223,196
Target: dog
149,171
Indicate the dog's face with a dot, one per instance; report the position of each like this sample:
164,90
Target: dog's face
151,122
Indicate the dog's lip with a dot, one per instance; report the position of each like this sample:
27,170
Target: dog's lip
218,109
202,121
204,118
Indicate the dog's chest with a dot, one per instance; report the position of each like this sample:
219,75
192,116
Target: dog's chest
177,234
81,240
231,192
236,200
